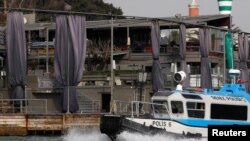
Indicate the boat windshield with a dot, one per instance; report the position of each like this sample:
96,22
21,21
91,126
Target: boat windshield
177,107
160,107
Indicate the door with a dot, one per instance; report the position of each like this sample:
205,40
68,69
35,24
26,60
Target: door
106,102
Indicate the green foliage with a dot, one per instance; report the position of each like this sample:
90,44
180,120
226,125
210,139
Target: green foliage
94,6
174,36
88,6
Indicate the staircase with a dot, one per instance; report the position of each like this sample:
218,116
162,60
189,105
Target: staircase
6,107
86,105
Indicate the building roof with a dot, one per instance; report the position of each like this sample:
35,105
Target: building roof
144,22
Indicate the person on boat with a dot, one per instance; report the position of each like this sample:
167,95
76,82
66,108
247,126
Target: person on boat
241,80
202,106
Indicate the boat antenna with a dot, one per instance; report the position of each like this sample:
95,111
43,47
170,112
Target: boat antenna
234,74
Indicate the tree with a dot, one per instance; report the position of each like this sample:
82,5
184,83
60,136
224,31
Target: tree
174,36
89,6
94,6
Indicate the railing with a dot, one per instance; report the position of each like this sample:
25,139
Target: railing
90,106
136,108
139,108
120,107
96,106
217,81
27,106
137,96
195,80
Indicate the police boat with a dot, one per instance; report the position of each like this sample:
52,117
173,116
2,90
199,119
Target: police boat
182,112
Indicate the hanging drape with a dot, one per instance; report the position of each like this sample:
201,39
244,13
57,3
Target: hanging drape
243,56
157,77
205,43
16,54
70,52
186,82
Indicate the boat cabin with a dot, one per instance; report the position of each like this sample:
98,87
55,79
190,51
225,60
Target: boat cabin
185,105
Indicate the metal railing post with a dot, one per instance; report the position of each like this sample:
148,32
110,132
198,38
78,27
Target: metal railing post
132,109
21,105
46,106
13,103
2,105
137,108
26,106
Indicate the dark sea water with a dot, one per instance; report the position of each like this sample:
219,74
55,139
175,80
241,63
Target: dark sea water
77,135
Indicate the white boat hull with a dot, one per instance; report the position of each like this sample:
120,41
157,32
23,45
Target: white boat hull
171,126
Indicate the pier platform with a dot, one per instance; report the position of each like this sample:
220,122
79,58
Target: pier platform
17,124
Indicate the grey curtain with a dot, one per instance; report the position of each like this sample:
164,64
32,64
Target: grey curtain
157,77
186,82
243,56
205,43
70,52
16,52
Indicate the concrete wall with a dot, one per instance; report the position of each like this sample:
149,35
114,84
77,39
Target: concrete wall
53,96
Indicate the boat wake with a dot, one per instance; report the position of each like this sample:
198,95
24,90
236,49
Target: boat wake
127,136
76,134
94,135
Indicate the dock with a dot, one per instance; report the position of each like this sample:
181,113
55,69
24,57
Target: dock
35,124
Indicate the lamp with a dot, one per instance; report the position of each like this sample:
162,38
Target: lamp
128,41
142,77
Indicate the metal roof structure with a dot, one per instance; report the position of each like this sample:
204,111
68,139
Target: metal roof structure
143,22
119,22
164,21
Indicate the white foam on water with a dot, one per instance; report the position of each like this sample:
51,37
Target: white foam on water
95,135
127,136
76,134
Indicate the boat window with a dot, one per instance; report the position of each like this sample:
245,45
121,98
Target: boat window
231,112
196,109
159,109
163,93
188,96
177,107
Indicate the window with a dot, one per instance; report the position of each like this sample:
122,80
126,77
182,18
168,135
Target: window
196,109
177,107
160,108
231,112
188,96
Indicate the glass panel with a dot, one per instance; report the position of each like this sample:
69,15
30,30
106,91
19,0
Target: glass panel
159,109
232,112
217,40
196,109
177,107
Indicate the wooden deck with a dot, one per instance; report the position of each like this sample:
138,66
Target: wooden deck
22,125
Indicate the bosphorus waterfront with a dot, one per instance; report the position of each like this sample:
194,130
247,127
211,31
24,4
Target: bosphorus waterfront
83,135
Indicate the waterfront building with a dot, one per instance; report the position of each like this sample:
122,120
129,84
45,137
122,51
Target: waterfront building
132,54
